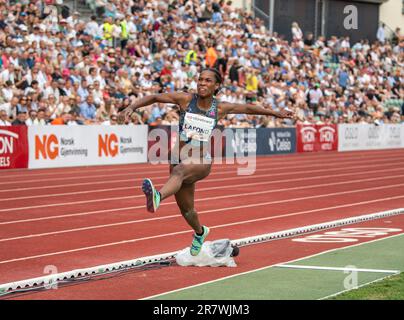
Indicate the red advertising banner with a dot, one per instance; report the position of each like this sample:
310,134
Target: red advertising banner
311,138
13,147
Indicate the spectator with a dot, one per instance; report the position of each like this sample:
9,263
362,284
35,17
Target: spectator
10,107
23,105
381,34
88,109
309,40
315,94
48,57
113,120
21,118
4,118
41,117
343,78
297,33
64,119
135,119
211,56
32,118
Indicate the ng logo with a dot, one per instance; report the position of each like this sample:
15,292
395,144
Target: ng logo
107,145
47,147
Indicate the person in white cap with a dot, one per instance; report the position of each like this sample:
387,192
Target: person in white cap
73,19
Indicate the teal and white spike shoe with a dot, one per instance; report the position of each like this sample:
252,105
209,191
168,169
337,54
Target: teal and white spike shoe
152,196
197,242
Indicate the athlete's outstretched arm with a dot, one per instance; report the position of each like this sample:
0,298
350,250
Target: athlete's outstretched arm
234,108
178,98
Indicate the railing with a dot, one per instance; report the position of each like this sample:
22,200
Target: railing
389,32
258,13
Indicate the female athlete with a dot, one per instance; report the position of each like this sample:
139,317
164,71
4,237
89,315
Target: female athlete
199,114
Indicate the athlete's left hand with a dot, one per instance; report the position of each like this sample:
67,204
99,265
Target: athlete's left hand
285,114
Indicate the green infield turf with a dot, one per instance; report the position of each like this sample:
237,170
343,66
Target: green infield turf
319,277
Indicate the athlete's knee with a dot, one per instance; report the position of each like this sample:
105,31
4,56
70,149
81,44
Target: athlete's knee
178,171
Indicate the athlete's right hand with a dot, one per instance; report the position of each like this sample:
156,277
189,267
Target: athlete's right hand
124,115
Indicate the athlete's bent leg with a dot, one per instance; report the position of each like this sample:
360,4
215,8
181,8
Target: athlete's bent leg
188,173
182,173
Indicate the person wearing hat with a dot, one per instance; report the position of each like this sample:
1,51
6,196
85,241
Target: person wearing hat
73,19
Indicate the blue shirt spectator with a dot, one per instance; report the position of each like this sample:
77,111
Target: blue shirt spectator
88,109
343,78
157,112
217,17
83,92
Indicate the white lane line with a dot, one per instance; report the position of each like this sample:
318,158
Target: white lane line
169,255
294,266
312,164
46,195
290,158
268,267
162,177
210,198
200,182
79,170
200,190
212,227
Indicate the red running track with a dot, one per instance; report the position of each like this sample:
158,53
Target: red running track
145,284
80,217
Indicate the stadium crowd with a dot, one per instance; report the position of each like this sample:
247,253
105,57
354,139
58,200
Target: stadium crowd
59,69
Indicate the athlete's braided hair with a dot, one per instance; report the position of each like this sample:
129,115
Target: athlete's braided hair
218,77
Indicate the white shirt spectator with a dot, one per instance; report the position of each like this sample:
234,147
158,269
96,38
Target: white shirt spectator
7,93
7,107
380,34
97,94
35,122
15,61
297,33
40,77
93,29
365,78
181,76
4,123
345,44
90,79
34,37
6,75
315,95
50,91
72,20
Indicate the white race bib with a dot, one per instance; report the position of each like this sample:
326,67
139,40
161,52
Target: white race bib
198,127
